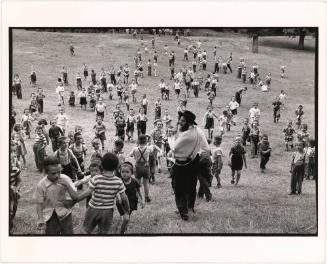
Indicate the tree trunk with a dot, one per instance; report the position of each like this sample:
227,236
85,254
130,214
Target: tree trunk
301,40
255,44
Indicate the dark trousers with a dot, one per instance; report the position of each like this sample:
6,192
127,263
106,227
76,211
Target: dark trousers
40,107
254,146
54,226
264,160
229,67
205,178
216,68
185,180
141,127
54,144
39,155
104,84
297,178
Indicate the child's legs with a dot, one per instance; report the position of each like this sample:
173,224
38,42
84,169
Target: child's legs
217,176
233,174
105,221
146,186
66,225
294,179
53,225
36,158
41,156
300,178
238,176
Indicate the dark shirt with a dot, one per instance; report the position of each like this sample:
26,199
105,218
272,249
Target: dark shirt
131,192
55,132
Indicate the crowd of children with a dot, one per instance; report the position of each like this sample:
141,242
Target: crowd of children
112,180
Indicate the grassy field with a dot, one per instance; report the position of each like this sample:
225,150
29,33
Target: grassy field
259,204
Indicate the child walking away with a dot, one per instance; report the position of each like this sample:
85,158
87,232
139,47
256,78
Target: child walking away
131,120
19,139
157,109
79,81
100,131
254,138
39,148
60,90
209,121
100,108
185,58
276,108
217,159
133,194
141,120
299,113
54,217
85,71
133,88
120,126
264,150
142,169
26,122
237,159
144,104
298,168
71,100
104,188
33,77
39,99
82,98
155,152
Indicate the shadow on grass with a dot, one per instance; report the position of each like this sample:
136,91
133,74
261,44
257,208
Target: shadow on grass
287,43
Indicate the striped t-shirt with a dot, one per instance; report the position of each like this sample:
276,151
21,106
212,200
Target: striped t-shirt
105,190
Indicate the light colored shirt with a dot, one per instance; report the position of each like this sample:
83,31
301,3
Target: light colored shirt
233,105
52,197
189,143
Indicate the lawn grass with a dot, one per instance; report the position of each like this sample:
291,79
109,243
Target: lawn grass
259,204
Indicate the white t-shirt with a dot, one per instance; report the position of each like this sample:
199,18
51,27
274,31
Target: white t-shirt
177,86
162,85
282,98
60,90
254,112
233,105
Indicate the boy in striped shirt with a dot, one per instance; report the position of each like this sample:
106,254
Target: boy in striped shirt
104,189
39,148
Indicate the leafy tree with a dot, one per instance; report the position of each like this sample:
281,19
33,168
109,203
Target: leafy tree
301,32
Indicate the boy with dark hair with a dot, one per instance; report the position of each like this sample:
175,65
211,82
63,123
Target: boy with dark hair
264,149
297,168
54,216
104,189
141,155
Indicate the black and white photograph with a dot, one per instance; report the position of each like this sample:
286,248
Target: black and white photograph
194,140
163,131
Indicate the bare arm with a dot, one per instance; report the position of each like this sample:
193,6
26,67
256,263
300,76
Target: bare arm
84,194
244,160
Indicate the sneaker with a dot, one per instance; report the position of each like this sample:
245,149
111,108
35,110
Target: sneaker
232,181
148,199
292,193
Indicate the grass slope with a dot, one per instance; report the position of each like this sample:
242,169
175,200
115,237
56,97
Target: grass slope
259,204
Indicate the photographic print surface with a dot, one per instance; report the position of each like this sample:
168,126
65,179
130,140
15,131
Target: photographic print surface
247,167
